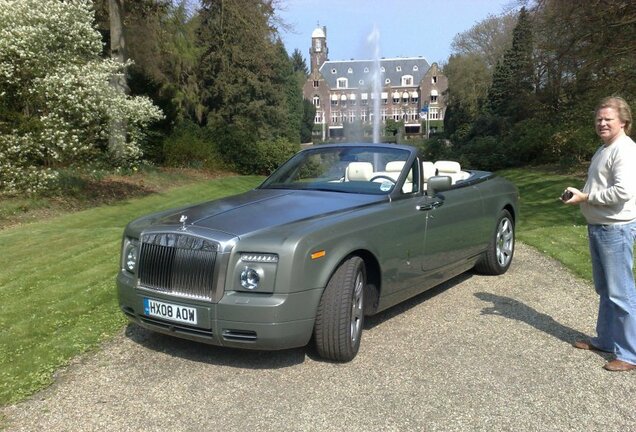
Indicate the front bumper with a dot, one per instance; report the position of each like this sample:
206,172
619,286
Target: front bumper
239,319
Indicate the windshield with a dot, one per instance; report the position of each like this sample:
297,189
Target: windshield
368,170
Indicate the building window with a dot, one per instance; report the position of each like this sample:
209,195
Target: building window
366,70
334,101
433,113
363,116
434,79
415,68
361,82
434,94
316,83
318,118
384,115
398,68
350,70
352,116
335,117
334,71
387,81
381,68
396,114
342,83
414,97
316,101
396,98
407,80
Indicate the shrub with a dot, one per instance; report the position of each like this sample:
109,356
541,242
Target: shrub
52,74
190,146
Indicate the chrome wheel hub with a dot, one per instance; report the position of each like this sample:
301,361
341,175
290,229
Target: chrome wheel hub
356,307
505,242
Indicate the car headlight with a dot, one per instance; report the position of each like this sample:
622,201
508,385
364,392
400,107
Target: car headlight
130,255
250,278
256,272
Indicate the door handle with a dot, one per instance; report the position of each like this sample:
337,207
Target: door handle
430,205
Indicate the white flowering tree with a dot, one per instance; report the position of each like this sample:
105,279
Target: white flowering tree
56,104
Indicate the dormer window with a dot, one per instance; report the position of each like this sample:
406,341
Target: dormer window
366,70
382,69
334,71
415,68
342,83
407,80
350,70
398,68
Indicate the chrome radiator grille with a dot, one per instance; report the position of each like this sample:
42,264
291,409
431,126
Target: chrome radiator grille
177,264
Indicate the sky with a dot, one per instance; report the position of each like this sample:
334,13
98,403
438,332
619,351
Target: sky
407,28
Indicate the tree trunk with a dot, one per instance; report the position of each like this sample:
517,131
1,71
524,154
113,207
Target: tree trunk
117,140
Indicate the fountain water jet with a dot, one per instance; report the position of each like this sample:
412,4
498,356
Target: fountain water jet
374,41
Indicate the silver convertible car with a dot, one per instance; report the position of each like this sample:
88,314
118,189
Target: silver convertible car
337,233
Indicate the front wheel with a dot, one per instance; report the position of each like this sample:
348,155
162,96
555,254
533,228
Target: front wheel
497,258
340,315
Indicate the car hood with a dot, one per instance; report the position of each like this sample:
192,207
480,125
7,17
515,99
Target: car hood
260,208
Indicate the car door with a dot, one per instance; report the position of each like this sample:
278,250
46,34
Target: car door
454,230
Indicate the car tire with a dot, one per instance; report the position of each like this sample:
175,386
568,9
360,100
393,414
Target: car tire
340,315
497,258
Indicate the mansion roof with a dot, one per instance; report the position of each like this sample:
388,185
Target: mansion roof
359,73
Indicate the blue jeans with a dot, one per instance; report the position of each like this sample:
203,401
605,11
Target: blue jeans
611,247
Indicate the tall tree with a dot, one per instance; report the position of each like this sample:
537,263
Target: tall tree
244,79
117,140
489,39
511,92
299,63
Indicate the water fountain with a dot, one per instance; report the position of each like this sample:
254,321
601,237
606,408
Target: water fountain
374,40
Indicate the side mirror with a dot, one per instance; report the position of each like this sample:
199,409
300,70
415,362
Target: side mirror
438,184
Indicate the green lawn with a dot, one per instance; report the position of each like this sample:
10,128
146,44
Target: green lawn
57,283
553,228
57,277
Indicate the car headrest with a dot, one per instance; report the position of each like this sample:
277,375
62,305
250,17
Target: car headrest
359,171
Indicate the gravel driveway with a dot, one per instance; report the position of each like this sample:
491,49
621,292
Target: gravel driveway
478,353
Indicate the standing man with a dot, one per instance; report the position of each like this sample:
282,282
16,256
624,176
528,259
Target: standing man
608,203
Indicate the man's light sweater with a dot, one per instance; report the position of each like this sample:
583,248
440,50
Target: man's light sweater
611,184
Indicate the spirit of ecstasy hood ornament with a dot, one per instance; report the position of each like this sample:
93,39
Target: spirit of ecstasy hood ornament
183,220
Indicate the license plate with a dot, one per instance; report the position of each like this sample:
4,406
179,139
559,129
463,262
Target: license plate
169,311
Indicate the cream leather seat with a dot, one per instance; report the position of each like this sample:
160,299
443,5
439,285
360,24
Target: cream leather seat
393,170
451,169
359,171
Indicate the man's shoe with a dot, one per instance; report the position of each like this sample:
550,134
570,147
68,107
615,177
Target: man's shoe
586,345
619,366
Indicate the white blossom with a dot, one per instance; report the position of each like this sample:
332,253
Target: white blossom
50,62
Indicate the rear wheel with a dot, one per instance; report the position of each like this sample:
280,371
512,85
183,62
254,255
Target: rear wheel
497,258
340,315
